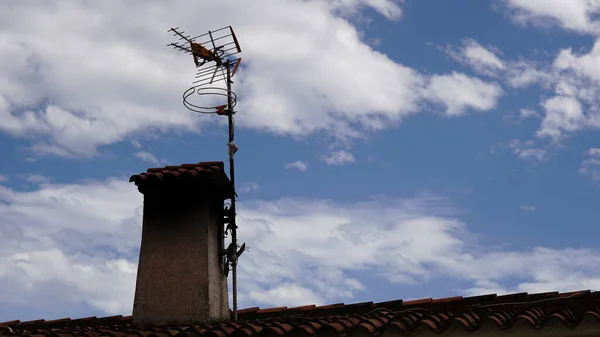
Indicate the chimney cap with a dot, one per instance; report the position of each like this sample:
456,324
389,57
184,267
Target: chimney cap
209,173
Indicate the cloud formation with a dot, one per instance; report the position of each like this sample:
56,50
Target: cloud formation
528,151
148,157
249,187
591,164
75,239
298,165
37,178
458,92
339,157
574,15
528,113
570,86
68,101
481,59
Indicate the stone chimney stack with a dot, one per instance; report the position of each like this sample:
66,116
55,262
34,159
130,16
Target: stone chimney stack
180,277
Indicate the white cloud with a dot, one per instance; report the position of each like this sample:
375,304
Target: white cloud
75,239
533,153
459,92
37,178
563,114
3,178
521,115
521,74
591,165
147,157
136,143
573,79
528,208
571,91
299,165
71,240
574,15
517,74
388,8
585,65
132,83
339,157
485,60
528,113
481,59
249,187
528,151
293,294
576,102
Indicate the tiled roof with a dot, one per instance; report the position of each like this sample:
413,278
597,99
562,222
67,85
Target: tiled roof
203,172
566,313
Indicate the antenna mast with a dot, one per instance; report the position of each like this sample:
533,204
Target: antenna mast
216,59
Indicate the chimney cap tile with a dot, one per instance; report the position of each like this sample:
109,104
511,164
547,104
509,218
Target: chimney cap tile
213,170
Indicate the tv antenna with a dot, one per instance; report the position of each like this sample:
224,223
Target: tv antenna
216,57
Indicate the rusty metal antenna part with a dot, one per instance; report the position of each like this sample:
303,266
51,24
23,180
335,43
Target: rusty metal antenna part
216,57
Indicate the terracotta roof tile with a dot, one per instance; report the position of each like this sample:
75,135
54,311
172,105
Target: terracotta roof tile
211,172
493,313
175,172
304,307
271,310
248,310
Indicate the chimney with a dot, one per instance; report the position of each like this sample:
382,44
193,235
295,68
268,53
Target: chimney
180,277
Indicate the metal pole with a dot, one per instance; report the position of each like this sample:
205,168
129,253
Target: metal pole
232,177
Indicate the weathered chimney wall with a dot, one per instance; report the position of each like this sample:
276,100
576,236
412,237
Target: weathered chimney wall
180,277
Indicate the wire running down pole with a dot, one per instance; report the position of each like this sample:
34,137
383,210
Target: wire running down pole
232,148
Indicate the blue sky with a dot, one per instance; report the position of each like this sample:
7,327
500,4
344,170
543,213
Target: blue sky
434,148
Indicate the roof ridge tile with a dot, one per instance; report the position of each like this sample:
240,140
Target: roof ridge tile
436,315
